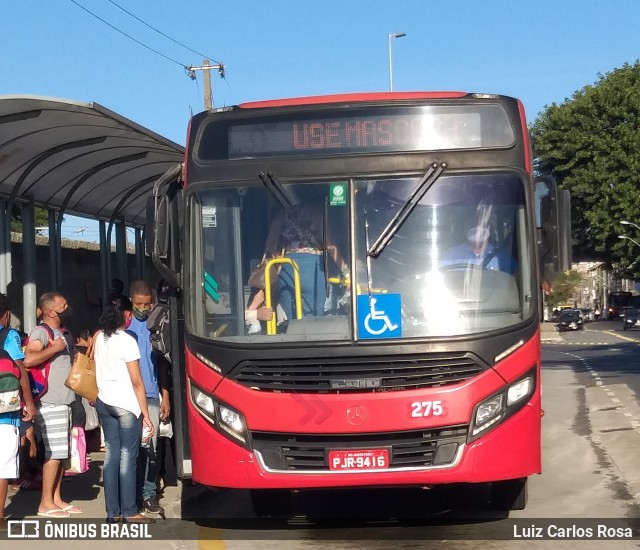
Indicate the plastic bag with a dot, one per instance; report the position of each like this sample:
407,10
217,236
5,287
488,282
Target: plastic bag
92,421
165,429
77,463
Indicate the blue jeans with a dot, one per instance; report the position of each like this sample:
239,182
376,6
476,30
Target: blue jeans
148,464
312,282
122,431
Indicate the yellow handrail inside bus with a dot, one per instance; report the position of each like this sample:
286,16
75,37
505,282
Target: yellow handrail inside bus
272,324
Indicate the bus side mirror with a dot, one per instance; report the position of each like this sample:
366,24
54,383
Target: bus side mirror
553,227
162,227
157,227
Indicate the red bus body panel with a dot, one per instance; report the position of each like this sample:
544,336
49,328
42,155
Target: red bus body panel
348,98
511,450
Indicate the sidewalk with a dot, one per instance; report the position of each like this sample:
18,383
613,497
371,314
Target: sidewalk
84,491
549,333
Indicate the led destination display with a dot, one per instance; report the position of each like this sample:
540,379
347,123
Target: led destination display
372,130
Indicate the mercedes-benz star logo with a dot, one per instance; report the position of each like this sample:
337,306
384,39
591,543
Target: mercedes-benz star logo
357,415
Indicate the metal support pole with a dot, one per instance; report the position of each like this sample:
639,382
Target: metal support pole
139,244
29,298
105,261
4,225
121,252
53,249
6,251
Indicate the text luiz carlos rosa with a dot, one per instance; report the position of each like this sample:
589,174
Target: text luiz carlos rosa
552,531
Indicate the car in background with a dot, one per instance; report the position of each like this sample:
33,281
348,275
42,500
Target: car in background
570,319
631,319
624,310
588,314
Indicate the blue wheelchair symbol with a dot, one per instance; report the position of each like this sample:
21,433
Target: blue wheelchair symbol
379,317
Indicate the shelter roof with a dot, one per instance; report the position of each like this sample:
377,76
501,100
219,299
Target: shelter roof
79,157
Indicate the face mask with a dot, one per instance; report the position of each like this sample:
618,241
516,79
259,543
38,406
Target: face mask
141,314
66,314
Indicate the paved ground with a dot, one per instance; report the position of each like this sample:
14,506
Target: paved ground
85,492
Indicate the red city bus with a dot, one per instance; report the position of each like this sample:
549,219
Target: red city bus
397,354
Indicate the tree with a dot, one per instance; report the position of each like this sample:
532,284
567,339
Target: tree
41,218
564,288
591,145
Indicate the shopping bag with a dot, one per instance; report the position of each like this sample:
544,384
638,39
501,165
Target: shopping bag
77,463
92,421
165,429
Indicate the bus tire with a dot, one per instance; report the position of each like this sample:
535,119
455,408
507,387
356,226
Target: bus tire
271,502
510,494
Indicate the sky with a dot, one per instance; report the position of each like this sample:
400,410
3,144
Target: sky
541,51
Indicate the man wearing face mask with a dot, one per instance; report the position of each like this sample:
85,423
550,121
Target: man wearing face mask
154,370
49,343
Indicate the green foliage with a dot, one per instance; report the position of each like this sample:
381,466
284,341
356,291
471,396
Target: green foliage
41,217
591,145
564,288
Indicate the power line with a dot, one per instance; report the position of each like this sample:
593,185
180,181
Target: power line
161,33
128,36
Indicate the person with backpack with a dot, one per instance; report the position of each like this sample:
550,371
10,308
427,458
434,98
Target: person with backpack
154,368
50,350
14,384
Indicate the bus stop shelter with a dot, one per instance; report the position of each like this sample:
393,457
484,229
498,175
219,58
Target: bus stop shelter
77,158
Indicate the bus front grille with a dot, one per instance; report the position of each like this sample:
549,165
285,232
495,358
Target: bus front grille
367,374
309,452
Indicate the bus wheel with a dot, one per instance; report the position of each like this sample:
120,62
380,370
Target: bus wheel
510,494
271,502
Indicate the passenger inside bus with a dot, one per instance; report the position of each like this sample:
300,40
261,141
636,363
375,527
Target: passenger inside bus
297,233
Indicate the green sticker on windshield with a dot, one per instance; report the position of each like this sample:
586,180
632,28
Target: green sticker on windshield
338,194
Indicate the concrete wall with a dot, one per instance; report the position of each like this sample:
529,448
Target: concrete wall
80,284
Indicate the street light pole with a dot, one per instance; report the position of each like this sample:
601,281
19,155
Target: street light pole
629,239
625,222
392,35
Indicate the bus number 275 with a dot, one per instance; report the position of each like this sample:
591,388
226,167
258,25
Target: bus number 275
421,409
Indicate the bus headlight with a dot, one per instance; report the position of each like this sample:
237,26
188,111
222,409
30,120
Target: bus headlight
519,391
233,423
224,419
204,403
489,410
500,406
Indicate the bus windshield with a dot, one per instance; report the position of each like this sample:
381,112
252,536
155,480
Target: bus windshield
458,264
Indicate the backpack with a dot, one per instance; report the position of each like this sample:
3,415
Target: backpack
38,376
159,329
9,378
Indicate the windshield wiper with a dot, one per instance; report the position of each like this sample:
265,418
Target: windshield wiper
392,227
276,188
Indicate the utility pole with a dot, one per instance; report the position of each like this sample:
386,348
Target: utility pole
206,69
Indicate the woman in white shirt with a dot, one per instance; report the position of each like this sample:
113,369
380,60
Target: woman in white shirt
122,408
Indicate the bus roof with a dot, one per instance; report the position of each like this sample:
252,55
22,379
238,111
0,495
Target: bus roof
355,97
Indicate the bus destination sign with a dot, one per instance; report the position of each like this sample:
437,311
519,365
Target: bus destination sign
409,129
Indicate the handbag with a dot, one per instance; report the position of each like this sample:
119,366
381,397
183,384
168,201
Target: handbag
257,276
82,376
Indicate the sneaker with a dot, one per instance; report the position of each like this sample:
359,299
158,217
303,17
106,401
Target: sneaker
152,506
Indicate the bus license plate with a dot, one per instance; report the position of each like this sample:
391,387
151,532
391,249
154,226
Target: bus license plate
359,459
